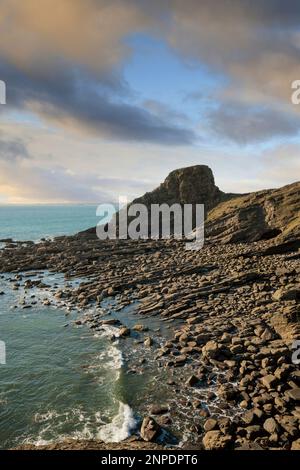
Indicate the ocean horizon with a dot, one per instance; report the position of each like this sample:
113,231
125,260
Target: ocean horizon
35,221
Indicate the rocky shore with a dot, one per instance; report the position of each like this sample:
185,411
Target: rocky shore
239,308
132,443
232,309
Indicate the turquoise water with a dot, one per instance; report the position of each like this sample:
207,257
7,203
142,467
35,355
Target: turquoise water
59,380
62,380
33,222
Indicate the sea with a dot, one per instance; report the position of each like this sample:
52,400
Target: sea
60,380
33,222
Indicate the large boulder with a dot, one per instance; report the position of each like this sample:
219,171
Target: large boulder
286,322
150,429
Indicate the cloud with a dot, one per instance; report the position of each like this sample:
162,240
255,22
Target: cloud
70,96
165,112
244,124
68,63
64,61
256,44
35,168
28,183
281,164
12,150
87,32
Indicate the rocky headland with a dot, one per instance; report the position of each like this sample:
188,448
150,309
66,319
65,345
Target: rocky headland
233,307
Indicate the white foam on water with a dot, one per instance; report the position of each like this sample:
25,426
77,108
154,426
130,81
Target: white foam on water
114,358
120,427
110,330
43,417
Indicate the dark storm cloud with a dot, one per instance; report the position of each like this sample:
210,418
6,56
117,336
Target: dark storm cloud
69,94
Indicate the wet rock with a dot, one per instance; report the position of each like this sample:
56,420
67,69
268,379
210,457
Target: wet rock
226,425
124,331
110,321
164,420
249,417
227,392
159,409
111,291
139,327
150,429
215,440
192,380
180,360
148,342
171,382
210,425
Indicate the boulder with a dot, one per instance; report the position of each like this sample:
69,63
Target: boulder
210,350
271,426
139,327
124,331
150,429
192,380
269,381
210,424
287,293
158,409
294,394
148,342
296,445
216,440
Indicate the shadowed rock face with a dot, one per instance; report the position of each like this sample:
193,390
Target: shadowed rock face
230,218
191,185
256,216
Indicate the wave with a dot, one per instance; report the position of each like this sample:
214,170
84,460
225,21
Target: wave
121,427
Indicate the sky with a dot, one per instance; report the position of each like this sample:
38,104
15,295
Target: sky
105,97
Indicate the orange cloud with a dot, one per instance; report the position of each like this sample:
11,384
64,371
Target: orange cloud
89,32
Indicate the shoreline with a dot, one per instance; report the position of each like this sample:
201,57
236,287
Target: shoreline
132,443
238,314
